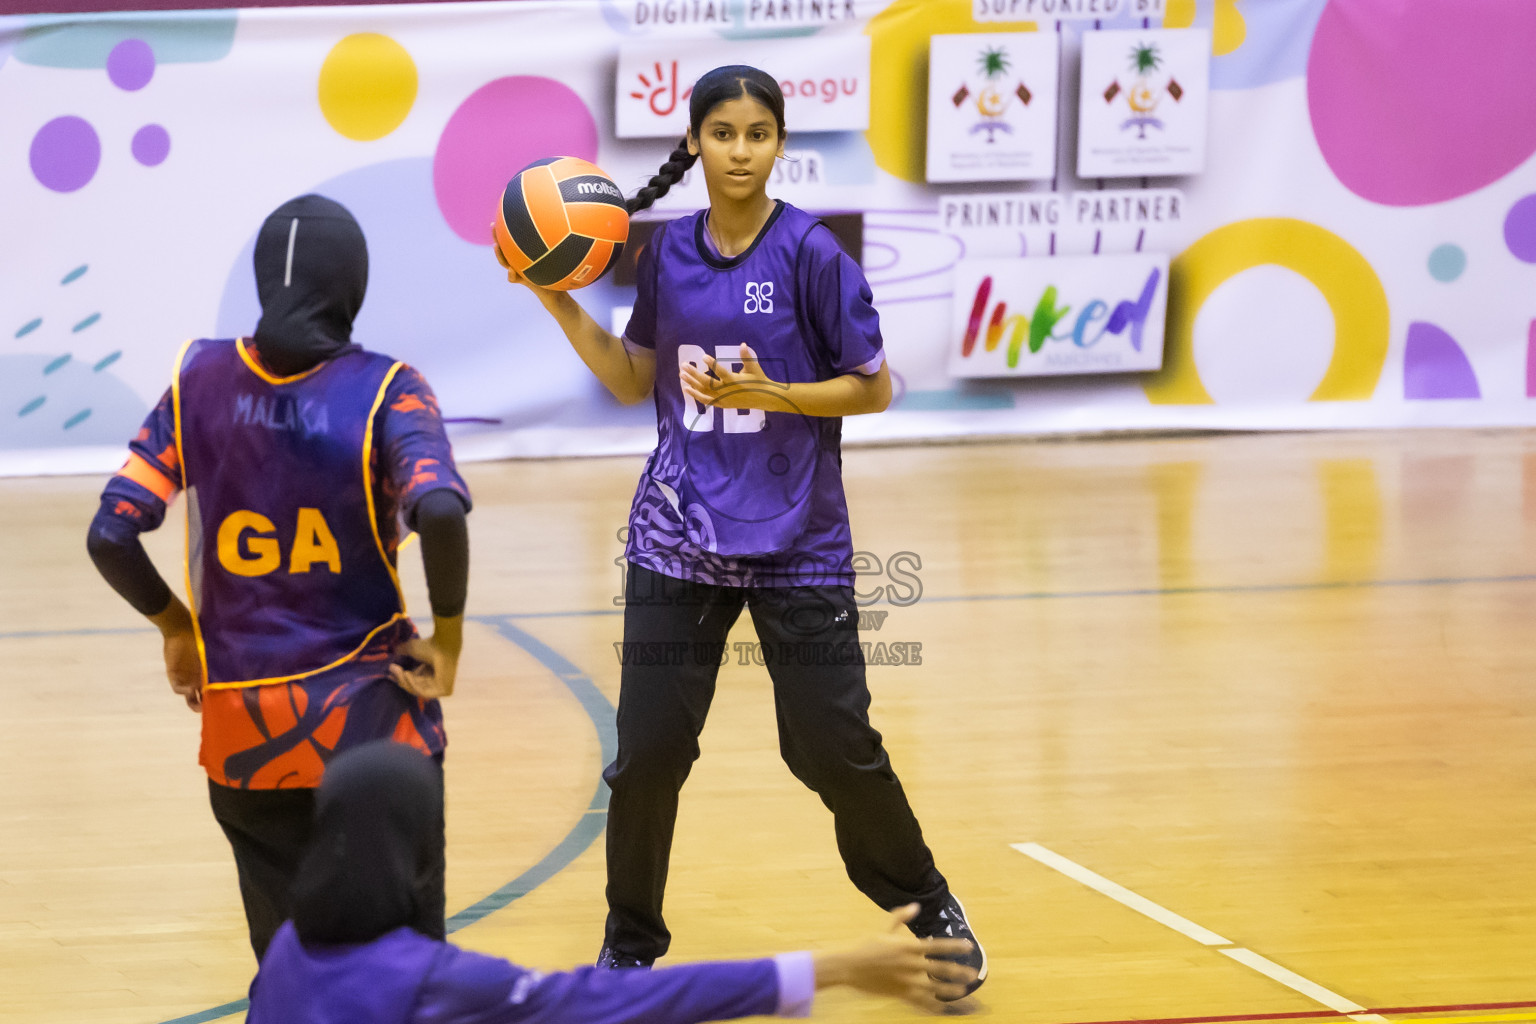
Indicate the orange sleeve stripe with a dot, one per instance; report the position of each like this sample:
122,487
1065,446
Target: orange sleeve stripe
138,469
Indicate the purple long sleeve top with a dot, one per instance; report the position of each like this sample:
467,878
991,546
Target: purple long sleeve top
404,977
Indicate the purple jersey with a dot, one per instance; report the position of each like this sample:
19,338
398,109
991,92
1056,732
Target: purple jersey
741,497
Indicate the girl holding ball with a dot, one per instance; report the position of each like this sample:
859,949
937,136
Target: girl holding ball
756,334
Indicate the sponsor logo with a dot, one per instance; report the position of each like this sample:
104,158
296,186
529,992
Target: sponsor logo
992,93
1067,314
662,94
1145,91
824,78
1092,323
587,188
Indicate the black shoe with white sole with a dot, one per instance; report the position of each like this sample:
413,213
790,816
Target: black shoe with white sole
950,923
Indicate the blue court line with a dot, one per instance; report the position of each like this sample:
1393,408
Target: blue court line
503,622
575,843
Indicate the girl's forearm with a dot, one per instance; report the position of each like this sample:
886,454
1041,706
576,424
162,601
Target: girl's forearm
852,394
628,378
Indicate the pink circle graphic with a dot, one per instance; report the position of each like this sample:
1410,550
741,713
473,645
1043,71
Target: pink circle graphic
65,153
501,128
1417,103
131,64
1520,229
151,145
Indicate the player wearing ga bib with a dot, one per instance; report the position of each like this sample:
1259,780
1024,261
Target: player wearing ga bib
291,548
301,455
740,496
290,570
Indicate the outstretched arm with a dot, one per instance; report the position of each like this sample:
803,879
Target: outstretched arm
468,988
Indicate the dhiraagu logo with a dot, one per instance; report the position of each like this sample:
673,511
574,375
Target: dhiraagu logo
1067,314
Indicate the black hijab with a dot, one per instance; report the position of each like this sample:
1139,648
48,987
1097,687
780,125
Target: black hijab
311,275
376,817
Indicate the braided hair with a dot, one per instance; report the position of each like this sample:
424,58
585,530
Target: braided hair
734,81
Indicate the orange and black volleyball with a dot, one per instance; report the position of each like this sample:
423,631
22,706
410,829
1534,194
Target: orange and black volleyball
561,223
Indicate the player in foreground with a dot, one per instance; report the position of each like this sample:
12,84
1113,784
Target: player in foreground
756,334
297,450
351,952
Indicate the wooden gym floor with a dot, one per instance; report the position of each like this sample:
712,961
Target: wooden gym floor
1235,727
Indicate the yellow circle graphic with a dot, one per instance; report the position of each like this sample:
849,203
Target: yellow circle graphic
367,86
1361,320
898,76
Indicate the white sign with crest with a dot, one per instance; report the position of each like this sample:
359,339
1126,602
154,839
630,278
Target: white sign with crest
992,106
1143,105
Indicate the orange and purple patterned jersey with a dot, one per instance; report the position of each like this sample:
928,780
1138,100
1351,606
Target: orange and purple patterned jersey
296,488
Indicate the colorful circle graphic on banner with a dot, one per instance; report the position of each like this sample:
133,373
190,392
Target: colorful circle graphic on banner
1348,283
501,128
65,154
1447,262
151,145
131,65
367,86
1520,229
1420,103
898,61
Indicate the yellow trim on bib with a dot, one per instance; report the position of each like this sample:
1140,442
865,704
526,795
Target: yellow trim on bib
314,671
256,368
186,547
373,517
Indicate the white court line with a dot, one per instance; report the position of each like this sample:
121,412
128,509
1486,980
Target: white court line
1184,926
1291,979
1115,891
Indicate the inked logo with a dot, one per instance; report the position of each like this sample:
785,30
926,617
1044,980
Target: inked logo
1095,320
587,188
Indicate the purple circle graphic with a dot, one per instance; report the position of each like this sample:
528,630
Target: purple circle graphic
151,145
501,128
65,153
1520,229
131,64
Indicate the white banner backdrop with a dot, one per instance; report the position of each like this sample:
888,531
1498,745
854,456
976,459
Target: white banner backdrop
1360,250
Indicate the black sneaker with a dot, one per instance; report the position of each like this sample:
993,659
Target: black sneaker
611,959
950,923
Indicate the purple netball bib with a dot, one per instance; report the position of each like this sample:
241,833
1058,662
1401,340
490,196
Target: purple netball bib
287,570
